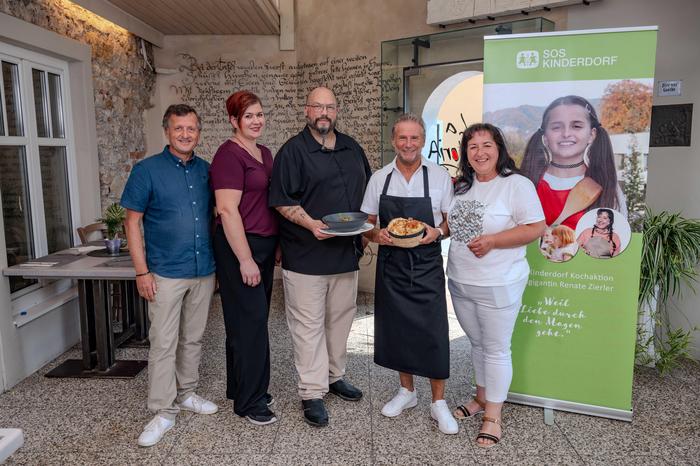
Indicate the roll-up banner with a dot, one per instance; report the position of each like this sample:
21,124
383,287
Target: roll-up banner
575,108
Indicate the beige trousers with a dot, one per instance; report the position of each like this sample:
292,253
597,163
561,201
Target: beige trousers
178,317
320,310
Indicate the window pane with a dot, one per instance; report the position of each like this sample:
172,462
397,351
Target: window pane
2,118
13,107
54,183
15,210
56,102
40,103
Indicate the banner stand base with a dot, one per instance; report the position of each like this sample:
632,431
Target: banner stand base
549,416
550,404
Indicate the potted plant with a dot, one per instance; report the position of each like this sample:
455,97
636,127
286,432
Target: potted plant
113,218
670,253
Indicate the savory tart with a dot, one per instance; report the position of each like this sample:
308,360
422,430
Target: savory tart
403,227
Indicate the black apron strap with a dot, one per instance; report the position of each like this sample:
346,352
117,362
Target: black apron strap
426,185
386,182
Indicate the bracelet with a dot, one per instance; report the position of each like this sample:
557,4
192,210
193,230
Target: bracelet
142,274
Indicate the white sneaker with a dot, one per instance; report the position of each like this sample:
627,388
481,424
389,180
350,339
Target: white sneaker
155,430
402,400
199,405
441,413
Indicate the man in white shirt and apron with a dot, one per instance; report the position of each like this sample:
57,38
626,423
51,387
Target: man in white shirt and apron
411,329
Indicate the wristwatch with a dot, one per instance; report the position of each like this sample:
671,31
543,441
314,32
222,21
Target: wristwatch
441,236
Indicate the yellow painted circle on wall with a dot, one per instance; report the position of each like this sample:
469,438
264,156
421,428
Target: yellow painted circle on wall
454,105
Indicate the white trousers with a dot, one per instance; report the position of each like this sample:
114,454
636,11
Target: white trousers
487,314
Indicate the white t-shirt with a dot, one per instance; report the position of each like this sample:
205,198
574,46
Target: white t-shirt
491,207
439,186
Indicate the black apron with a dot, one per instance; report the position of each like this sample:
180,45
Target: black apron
410,312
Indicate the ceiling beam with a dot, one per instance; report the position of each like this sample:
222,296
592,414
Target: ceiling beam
286,24
121,18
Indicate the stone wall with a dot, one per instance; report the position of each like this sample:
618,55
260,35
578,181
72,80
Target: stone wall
122,80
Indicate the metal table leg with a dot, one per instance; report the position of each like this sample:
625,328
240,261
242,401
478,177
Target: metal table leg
137,308
97,339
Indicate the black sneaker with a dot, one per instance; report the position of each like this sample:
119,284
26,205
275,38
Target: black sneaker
345,390
268,399
262,419
315,413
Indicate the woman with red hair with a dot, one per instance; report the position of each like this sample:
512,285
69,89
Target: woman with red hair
245,243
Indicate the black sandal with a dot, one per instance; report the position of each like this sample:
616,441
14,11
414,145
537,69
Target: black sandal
487,436
461,412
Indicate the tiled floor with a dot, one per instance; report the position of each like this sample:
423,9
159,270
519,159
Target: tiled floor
83,421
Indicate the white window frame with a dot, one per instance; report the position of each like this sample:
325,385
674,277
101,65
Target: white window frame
27,60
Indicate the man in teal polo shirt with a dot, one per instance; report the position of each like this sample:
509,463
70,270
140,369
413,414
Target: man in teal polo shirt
170,193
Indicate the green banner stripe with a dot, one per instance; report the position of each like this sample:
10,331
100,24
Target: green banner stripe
611,55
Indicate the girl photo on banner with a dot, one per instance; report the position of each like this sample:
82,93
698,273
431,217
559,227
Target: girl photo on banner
581,151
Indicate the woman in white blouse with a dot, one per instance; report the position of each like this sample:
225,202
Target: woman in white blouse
495,214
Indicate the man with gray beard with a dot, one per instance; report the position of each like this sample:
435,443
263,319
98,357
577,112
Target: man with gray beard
319,171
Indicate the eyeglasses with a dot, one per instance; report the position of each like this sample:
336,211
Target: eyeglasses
321,107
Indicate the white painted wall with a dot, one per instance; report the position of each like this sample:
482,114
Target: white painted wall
673,171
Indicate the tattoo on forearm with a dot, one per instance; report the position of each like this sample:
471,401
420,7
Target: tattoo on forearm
294,214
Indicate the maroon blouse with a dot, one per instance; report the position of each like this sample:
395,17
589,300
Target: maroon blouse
234,168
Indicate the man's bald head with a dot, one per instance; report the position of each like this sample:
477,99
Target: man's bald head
321,93
321,110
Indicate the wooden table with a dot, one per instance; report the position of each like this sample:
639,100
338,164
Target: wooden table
94,276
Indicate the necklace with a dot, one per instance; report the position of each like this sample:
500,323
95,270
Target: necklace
572,165
245,148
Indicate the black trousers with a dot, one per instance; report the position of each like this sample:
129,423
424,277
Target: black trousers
246,311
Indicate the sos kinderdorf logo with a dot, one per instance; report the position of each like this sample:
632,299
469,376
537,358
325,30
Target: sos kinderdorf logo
558,58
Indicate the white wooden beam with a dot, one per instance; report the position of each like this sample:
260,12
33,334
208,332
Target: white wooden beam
121,18
286,9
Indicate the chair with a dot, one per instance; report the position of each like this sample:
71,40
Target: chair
92,232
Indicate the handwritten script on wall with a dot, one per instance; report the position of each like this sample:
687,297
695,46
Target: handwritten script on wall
283,88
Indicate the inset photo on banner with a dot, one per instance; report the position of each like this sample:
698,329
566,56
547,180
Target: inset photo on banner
603,233
558,244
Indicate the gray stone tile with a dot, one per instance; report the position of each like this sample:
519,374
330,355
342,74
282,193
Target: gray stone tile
688,371
414,434
7,416
628,460
309,459
84,421
427,457
494,456
348,432
688,458
136,456
595,436
59,394
89,430
215,459
524,434
225,433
